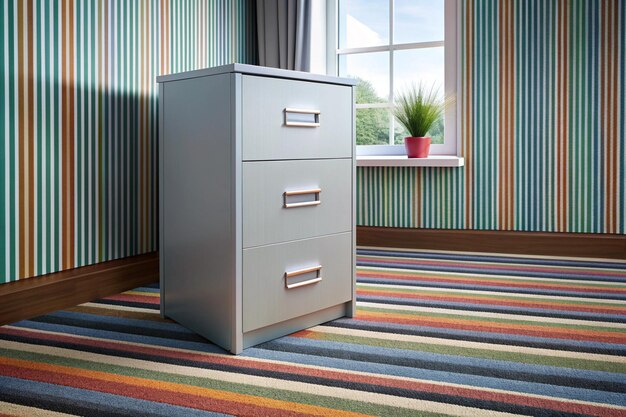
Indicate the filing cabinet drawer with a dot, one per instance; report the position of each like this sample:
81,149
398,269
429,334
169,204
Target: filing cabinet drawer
288,200
282,281
286,119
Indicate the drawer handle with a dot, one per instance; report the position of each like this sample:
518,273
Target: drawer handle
314,191
291,274
301,122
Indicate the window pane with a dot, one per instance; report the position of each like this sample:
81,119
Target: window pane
412,67
372,72
435,133
419,65
363,23
372,126
418,21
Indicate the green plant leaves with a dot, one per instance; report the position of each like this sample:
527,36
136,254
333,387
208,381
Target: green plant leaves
418,108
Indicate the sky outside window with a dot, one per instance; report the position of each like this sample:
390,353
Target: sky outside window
366,24
363,23
418,21
372,67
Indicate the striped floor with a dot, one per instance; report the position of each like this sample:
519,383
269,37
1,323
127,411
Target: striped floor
436,334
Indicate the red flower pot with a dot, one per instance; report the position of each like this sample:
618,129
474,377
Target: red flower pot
417,147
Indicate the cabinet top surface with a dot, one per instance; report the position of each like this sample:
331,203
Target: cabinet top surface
256,70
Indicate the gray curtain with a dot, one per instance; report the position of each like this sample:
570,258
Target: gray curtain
284,33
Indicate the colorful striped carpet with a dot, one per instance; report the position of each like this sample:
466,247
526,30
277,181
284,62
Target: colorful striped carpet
436,334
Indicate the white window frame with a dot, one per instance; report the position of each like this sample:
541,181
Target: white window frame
451,145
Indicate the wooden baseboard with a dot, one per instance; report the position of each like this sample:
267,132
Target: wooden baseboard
529,243
31,297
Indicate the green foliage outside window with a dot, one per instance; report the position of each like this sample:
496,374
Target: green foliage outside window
372,125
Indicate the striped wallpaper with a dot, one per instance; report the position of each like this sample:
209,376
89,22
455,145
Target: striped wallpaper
78,117
543,127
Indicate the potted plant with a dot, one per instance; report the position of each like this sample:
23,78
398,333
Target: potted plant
417,109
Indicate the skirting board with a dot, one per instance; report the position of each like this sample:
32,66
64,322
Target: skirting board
31,297
528,243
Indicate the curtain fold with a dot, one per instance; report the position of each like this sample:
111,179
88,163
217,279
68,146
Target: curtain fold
284,34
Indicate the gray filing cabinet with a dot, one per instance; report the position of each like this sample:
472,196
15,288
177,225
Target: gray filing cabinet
256,201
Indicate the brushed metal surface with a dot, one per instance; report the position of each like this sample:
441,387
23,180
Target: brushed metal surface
257,70
214,201
266,300
267,221
265,135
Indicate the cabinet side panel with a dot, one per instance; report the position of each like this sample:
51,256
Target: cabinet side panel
351,310
161,169
236,345
198,240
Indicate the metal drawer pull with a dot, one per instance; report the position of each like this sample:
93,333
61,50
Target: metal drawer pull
312,121
314,191
301,272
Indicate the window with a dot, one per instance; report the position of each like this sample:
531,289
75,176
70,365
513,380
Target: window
387,45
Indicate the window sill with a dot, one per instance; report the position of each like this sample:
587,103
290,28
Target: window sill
404,161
